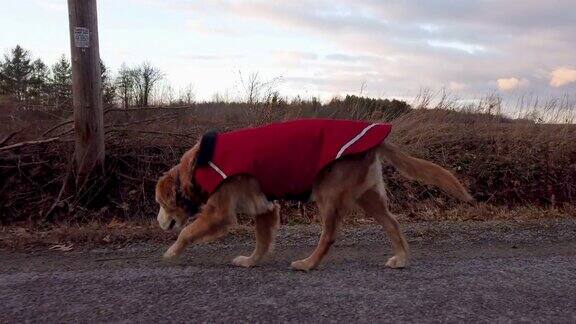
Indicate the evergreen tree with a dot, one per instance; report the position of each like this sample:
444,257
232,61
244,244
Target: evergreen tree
38,90
15,73
108,87
61,83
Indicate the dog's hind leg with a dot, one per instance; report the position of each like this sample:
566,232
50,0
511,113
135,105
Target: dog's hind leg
375,203
266,226
331,215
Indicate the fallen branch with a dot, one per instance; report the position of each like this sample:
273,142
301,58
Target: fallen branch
58,200
27,143
137,122
9,137
64,133
146,109
69,121
22,165
122,130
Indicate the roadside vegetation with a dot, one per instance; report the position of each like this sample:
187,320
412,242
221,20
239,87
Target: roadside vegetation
518,162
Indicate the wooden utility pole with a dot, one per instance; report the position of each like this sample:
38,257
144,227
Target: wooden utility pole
86,87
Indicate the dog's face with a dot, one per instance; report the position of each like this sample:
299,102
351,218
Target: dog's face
175,194
171,214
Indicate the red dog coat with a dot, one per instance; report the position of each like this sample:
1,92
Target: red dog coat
285,158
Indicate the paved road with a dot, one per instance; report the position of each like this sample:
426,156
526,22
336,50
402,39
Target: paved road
473,272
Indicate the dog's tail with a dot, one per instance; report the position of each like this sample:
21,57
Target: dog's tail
425,171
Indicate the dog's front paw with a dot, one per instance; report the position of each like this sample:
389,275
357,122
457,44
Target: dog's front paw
172,253
243,261
397,262
302,265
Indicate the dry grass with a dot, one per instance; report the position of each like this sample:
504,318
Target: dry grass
504,162
91,233
509,164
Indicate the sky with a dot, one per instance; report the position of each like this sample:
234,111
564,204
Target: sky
324,48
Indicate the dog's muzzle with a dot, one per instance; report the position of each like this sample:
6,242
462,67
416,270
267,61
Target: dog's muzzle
165,222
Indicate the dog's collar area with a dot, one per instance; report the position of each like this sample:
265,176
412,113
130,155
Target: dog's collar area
217,169
197,189
191,207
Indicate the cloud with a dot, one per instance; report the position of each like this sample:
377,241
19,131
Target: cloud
400,45
460,46
457,86
563,76
203,27
209,57
294,56
52,5
346,58
507,84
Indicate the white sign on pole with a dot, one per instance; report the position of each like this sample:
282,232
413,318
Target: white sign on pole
82,37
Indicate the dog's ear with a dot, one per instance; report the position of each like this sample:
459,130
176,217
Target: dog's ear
166,188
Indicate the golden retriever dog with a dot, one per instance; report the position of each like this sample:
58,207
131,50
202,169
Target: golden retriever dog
349,181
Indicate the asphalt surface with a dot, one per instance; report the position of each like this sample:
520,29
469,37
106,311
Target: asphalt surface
480,272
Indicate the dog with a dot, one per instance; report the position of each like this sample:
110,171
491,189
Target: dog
335,163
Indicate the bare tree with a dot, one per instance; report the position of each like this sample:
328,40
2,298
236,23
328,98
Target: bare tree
255,89
125,85
186,95
145,78
252,87
163,94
